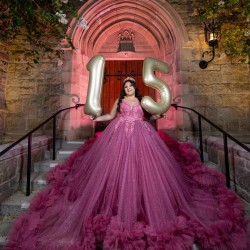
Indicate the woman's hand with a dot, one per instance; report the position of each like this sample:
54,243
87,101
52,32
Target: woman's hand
155,117
91,117
106,117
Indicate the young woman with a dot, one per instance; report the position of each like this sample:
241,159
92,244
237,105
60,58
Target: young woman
132,189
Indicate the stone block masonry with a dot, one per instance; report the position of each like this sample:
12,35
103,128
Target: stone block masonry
4,59
32,93
13,164
239,165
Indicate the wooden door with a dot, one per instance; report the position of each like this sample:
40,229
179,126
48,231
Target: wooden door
115,73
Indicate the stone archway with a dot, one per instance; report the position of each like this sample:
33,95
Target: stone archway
158,32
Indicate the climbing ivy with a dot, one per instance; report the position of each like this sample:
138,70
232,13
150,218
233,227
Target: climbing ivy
41,23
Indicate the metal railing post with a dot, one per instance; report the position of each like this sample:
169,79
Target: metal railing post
54,138
200,136
28,165
226,160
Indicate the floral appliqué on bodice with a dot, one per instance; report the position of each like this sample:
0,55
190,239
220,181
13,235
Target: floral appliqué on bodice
130,113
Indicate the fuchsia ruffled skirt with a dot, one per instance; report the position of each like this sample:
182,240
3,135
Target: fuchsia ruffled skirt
132,190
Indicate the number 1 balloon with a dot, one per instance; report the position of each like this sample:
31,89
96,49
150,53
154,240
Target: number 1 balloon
96,71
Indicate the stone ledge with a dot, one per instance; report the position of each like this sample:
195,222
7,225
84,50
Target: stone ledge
239,165
22,147
233,147
13,164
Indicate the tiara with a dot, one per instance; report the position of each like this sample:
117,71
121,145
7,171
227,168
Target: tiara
129,79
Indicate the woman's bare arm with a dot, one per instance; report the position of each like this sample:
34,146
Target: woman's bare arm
109,116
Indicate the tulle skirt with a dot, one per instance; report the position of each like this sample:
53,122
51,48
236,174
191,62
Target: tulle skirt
132,188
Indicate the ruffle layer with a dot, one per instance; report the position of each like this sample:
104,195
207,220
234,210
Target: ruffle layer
119,237
178,235
230,231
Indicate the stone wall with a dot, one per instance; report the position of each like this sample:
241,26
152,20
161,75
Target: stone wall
13,164
33,93
239,165
221,92
3,76
222,95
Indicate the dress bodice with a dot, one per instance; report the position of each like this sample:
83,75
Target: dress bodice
128,116
130,111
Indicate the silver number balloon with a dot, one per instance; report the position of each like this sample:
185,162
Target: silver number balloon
96,71
149,78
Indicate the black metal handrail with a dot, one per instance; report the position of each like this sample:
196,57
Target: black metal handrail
225,136
29,136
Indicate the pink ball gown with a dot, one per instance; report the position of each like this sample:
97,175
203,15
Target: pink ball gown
132,189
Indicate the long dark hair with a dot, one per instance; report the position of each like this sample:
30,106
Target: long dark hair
123,94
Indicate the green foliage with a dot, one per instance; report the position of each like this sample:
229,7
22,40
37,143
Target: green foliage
233,16
42,23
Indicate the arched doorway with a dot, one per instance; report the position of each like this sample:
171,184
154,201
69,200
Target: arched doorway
156,30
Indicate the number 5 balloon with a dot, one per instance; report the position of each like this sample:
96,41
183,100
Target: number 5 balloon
96,68
149,78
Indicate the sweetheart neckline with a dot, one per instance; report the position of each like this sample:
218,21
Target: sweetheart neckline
131,105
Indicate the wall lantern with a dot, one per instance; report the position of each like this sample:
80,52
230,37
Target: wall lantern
212,36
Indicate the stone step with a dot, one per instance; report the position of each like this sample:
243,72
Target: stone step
63,154
3,240
15,204
72,144
210,164
67,148
63,145
5,226
37,182
46,165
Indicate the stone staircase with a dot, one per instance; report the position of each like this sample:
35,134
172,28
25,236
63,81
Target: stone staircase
13,206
